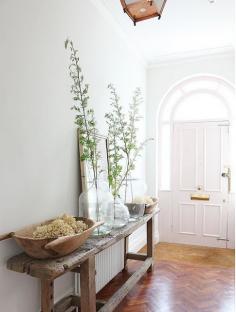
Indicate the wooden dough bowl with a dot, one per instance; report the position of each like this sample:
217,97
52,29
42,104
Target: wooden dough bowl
52,248
150,208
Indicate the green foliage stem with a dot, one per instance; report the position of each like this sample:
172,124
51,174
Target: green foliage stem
84,118
123,144
115,154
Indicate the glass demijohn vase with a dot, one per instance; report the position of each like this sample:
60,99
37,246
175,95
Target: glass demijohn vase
121,213
97,204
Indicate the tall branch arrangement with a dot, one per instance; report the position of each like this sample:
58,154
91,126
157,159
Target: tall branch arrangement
115,154
84,118
123,144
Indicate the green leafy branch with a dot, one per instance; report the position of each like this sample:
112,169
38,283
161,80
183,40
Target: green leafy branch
123,143
84,118
114,149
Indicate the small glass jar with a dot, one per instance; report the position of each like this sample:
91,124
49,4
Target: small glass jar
121,213
132,192
97,204
136,211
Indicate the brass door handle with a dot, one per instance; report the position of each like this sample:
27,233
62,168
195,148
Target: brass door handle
227,174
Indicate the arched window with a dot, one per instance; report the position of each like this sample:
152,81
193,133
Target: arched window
201,97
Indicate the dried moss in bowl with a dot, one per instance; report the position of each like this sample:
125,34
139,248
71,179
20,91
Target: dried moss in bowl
63,226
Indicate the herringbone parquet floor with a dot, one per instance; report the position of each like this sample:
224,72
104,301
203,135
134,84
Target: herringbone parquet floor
181,284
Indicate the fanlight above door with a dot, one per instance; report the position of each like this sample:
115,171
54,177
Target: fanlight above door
140,10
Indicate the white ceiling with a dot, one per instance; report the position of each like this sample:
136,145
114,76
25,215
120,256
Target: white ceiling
186,26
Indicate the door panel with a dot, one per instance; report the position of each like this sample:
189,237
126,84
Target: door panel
212,162
188,158
200,154
212,212
188,219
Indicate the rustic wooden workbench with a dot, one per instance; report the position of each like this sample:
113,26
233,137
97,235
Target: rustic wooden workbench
83,261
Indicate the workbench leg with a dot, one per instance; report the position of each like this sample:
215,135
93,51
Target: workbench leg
87,285
126,250
150,241
47,295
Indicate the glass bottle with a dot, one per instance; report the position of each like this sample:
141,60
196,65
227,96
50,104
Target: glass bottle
121,213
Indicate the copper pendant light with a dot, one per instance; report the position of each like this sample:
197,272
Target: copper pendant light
140,10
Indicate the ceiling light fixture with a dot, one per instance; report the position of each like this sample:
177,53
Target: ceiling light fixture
140,10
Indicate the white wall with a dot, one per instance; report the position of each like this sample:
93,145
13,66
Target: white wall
160,78
38,147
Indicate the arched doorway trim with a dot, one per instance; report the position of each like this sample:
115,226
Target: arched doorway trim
203,83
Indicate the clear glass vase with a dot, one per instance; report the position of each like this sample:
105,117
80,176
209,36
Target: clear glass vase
97,204
121,213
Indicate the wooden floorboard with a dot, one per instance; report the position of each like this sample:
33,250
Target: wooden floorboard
195,255
190,282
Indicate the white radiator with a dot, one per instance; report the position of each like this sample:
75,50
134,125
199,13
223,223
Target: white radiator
109,263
